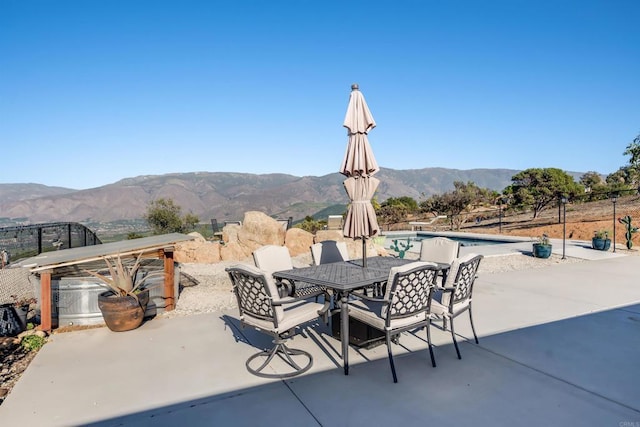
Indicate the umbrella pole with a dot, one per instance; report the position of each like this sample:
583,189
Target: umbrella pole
364,251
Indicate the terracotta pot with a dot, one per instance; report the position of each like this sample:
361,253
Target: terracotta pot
123,313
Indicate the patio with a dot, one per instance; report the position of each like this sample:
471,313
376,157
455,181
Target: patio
559,346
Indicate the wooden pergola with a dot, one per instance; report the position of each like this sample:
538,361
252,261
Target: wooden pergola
49,264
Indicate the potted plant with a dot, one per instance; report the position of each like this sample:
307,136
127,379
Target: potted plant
124,304
542,248
601,240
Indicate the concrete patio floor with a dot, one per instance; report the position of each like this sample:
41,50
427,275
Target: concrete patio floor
558,345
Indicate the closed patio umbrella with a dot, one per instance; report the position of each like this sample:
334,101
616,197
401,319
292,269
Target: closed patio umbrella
358,166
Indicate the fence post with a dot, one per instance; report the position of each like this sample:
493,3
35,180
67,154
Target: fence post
614,199
563,200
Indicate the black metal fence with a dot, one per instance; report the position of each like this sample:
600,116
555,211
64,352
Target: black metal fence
25,241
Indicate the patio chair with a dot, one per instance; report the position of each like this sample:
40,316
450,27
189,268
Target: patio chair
329,251
440,250
271,258
455,296
404,306
262,308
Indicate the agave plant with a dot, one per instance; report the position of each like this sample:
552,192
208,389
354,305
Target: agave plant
123,279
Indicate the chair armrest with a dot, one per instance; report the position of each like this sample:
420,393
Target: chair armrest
368,298
324,311
287,285
289,300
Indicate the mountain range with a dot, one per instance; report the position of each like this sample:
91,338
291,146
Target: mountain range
226,195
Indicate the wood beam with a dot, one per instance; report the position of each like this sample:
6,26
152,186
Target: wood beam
169,283
45,301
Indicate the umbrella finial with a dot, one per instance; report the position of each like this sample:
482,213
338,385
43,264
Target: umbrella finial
355,86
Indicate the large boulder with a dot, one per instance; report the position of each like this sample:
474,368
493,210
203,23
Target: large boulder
230,233
259,229
322,235
298,241
197,250
232,251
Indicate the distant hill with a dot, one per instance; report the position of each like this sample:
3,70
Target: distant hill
225,195
17,192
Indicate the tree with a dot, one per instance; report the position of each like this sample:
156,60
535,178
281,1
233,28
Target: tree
538,188
627,177
633,150
455,204
163,216
633,169
618,180
594,185
391,213
394,210
311,225
591,180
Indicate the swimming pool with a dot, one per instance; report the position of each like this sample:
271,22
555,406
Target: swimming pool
464,241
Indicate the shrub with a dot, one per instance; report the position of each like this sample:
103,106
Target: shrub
32,342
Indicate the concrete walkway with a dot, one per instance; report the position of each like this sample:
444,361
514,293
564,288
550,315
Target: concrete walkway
558,346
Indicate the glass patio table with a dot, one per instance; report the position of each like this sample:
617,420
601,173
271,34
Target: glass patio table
344,277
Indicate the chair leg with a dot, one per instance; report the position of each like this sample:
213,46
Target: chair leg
455,343
393,366
281,350
433,359
472,327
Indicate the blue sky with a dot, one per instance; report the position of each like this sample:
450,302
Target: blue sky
95,91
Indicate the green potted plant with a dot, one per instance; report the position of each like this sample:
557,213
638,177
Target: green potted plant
601,240
542,247
124,303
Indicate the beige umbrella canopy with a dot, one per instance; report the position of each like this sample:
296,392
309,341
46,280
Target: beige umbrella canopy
359,165
361,218
359,158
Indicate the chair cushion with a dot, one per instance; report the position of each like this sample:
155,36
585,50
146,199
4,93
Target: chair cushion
443,310
439,249
293,315
272,258
370,318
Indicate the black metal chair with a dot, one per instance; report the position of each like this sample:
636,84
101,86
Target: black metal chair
329,251
271,258
262,308
404,306
456,294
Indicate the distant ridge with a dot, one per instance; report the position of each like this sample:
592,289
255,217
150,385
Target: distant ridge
226,195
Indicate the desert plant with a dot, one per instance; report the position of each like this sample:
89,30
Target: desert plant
401,248
629,230
123,279
543,240
601,234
